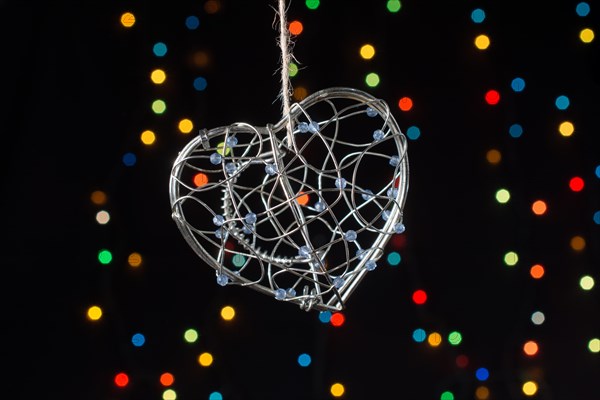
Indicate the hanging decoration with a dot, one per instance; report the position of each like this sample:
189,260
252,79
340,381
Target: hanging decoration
302,209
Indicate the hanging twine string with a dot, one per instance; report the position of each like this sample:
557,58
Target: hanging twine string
284,45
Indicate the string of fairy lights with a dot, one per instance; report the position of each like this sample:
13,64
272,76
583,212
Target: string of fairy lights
529,383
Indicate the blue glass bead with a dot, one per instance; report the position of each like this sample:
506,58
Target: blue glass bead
230,168
271,169
392,192
216,158
370,265
320,206
250,218
367,194
218,220
385,215
232,141
291,292
350,236
222,279
280,294
220,233
378,134
338,282
313,127
371,112
303,127
247,229
399,227
394,161
360,253
304,252
340,183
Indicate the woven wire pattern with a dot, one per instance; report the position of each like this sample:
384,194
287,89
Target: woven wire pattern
300,214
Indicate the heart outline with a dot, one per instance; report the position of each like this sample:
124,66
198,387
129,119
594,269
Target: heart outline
328,289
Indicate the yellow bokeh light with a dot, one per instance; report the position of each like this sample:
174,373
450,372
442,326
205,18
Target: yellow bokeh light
205,359
502,196
493,156
102,217
94,313
586,35
530,388
190,335
566,128
227,313
367,51
482,42
434,339
586,282
134,260
127,19
577,243
169,394
185,125
511,258
337,390
594,345
148,137
158,76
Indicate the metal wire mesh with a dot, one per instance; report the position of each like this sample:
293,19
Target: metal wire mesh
300,214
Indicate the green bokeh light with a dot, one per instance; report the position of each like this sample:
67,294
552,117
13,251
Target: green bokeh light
105,256
394,5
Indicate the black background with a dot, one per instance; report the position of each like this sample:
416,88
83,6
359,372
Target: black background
77,94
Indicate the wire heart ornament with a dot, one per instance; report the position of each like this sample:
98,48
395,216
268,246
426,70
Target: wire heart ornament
301,210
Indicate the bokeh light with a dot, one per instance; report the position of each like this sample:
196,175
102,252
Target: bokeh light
502,196
587,282
394,6
121,379
492,97
337,390
372,79
94,313
227,313
530,388
148,137
511,258
482,42
586,35
577,243
185,125
127,19
134,259
205,359
191,335
367,51
566,128
539,207
478,15
538,318
419,296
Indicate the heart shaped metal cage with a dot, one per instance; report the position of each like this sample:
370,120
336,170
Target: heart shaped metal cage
300,210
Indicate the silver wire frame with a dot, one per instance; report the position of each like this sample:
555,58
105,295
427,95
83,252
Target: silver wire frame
248,219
